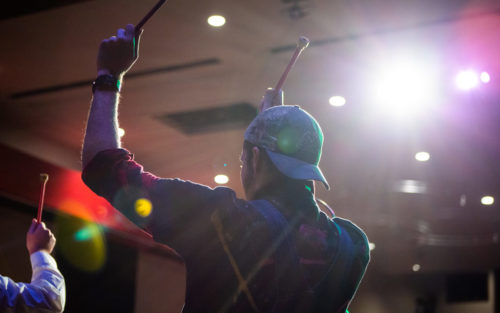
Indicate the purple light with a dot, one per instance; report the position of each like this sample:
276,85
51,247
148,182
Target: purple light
485,77
467,80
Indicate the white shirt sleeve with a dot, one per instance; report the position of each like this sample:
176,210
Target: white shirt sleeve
45,293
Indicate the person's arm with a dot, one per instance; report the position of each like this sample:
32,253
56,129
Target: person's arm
47,290
115,57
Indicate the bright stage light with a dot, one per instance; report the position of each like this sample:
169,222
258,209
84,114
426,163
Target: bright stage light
467,80
416,267
221,179
337,101
121,132
216,20
487,200
371,245
422,156
404,88
485,77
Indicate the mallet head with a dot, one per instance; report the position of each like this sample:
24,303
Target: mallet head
44,178
303,42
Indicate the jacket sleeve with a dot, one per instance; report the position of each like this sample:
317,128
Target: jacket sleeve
45,293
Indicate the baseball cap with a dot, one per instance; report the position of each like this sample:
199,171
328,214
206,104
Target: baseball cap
292,139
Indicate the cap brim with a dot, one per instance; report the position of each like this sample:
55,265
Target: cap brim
297,169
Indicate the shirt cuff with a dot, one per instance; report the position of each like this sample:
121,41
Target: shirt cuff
42,259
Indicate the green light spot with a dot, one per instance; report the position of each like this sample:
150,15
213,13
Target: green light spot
288,141
308,188
86,233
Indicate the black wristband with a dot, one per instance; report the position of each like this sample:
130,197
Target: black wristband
106,83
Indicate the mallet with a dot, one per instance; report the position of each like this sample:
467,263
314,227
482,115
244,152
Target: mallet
43,179
148,16
301,45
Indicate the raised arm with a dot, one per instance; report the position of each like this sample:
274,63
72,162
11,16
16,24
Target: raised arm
47,290
116,56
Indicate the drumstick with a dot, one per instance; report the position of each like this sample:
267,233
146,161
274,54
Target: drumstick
43,179
301,45
148,16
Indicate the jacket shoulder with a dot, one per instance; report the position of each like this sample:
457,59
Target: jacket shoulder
357,235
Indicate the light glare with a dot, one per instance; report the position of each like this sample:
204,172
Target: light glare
487,200
121,132
404,88
467,80
337,101
410,186
422,156
416,267
221,179
216,20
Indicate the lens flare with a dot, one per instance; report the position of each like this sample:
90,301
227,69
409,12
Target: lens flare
81,243
87,233
143,207
485,77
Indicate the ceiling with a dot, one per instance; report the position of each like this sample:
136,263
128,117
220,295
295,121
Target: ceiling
48,62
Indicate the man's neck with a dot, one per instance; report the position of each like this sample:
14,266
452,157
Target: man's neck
290,199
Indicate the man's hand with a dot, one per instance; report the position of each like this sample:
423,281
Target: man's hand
39,238
118,53
271,98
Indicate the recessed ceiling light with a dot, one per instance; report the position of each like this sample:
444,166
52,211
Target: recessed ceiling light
416,267
221,179
337,101
216,20
422,156
487,200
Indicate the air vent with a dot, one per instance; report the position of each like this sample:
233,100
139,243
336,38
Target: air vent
229,117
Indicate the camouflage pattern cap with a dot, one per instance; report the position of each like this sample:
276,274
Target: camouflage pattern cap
293,140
